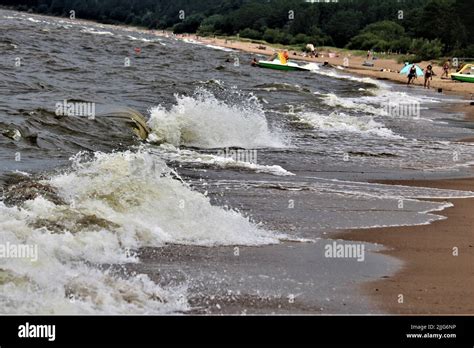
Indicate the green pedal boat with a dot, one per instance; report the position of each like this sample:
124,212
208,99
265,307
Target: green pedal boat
276,65
465,75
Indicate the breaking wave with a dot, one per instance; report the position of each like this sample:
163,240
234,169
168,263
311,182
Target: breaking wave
340,122
347,103
226,160
203,121
98,213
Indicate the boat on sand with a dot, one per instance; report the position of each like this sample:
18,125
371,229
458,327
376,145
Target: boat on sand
466,74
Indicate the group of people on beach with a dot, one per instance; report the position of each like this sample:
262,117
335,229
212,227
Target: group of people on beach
428,74
413,72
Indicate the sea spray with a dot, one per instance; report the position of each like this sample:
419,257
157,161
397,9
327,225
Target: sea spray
203,121
138,193
112,204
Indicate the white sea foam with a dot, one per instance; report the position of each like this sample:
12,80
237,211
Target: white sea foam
214,47
282,86
315,68
34,20
219,48
136,191
113,203
377,104
391,191
133,38
171,153
333,100
386,95
340,122
93,31
203,121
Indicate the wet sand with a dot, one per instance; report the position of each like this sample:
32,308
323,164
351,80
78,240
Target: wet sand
468,110
287,278
433,280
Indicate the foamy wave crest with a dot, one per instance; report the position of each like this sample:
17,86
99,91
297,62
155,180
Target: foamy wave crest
340,122
385,96
171,153
315,68
203,121
219,48
283,86
66,278
140,196
105,207
354,104
377,104
94,31
214,47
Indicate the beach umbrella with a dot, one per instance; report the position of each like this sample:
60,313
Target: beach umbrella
406,70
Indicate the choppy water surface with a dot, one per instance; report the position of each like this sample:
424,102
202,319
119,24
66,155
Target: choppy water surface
176,224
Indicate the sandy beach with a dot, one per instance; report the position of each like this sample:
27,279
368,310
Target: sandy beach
433,280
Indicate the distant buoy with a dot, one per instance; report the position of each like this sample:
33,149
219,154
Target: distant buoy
138,50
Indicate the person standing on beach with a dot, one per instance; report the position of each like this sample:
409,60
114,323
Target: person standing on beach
428,76
411,74
446,68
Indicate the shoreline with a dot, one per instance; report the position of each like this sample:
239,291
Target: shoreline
445,283
390,66
432,280
355,62
437,279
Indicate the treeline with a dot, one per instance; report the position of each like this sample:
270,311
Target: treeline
426,28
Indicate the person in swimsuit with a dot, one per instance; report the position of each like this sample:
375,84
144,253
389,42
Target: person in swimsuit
412,74
446,68
428,76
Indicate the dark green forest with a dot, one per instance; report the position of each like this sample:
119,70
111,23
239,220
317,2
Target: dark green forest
426,28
